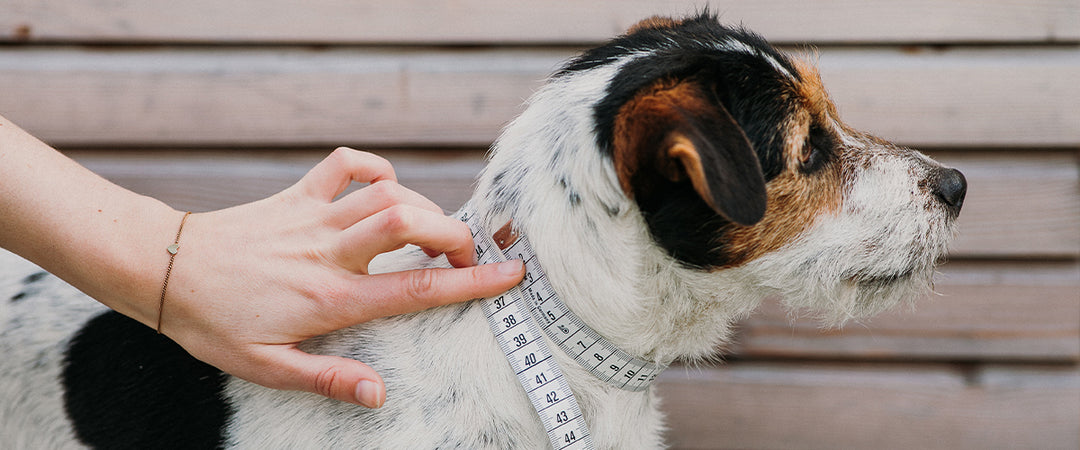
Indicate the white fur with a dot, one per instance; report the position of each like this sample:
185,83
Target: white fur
34,333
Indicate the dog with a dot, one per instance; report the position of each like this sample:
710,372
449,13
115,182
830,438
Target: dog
668,180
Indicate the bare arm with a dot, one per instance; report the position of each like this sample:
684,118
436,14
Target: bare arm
250,282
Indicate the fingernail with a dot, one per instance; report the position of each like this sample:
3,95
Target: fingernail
508,268
367,393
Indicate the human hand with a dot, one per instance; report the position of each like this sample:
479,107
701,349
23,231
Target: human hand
252,282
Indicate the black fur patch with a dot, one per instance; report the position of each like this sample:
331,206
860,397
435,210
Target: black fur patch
668,215
125,386
758,96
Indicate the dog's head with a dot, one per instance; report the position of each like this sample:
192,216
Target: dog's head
732,156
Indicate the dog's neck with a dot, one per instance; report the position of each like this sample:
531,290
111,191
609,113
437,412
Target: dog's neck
547,175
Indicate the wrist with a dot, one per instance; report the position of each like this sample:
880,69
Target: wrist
136,262
103,239
118,254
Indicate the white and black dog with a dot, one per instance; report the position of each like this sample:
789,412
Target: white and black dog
668,181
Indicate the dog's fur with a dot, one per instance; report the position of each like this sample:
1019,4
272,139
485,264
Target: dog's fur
668,180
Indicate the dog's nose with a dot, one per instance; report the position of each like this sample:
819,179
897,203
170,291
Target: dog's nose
950,186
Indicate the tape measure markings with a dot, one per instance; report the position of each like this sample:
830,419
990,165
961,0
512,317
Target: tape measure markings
523,315
535,368
562,325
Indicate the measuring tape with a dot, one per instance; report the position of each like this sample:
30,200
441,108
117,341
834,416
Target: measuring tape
518,317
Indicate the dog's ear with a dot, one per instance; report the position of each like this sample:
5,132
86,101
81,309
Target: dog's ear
674,132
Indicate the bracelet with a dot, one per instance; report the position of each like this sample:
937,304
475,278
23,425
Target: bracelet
173,250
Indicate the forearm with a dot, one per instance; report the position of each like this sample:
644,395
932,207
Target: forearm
103,239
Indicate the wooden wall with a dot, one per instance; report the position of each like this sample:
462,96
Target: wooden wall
206,104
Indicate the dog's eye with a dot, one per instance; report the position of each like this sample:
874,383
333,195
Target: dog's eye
811,158
815,152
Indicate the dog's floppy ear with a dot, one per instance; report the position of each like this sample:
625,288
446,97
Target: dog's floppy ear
673,132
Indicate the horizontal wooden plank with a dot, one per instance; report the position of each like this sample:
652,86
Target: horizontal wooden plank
492,21
203,180
805,406
973,97
280,97
1040,191
1018,311
1019,204
402,97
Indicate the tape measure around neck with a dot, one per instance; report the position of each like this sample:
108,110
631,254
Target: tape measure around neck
517,319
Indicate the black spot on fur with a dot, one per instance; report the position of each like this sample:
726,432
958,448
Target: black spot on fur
35,277
572,196
29,283
126,386
460,311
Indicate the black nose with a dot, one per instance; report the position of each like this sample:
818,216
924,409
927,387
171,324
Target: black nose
950,186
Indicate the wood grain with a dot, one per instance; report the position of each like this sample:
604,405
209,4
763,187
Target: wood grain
1019,204
872,406
498,22
1017,311
403,97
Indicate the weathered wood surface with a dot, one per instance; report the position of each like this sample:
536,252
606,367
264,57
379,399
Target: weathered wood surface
984,311
1019,205
499,22
872,406
435,97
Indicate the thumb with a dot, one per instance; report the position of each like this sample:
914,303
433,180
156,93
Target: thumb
343,379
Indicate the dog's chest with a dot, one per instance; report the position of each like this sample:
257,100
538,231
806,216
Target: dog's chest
447,386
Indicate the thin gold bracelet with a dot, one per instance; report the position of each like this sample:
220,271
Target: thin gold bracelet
173,250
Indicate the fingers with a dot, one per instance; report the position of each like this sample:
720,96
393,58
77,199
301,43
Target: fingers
333,174
348,380
339,378
392,228
374,198
415,290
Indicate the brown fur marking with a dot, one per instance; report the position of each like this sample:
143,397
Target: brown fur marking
796,199
679,148
646,132
652,23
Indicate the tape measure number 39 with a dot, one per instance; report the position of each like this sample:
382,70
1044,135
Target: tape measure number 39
522,341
